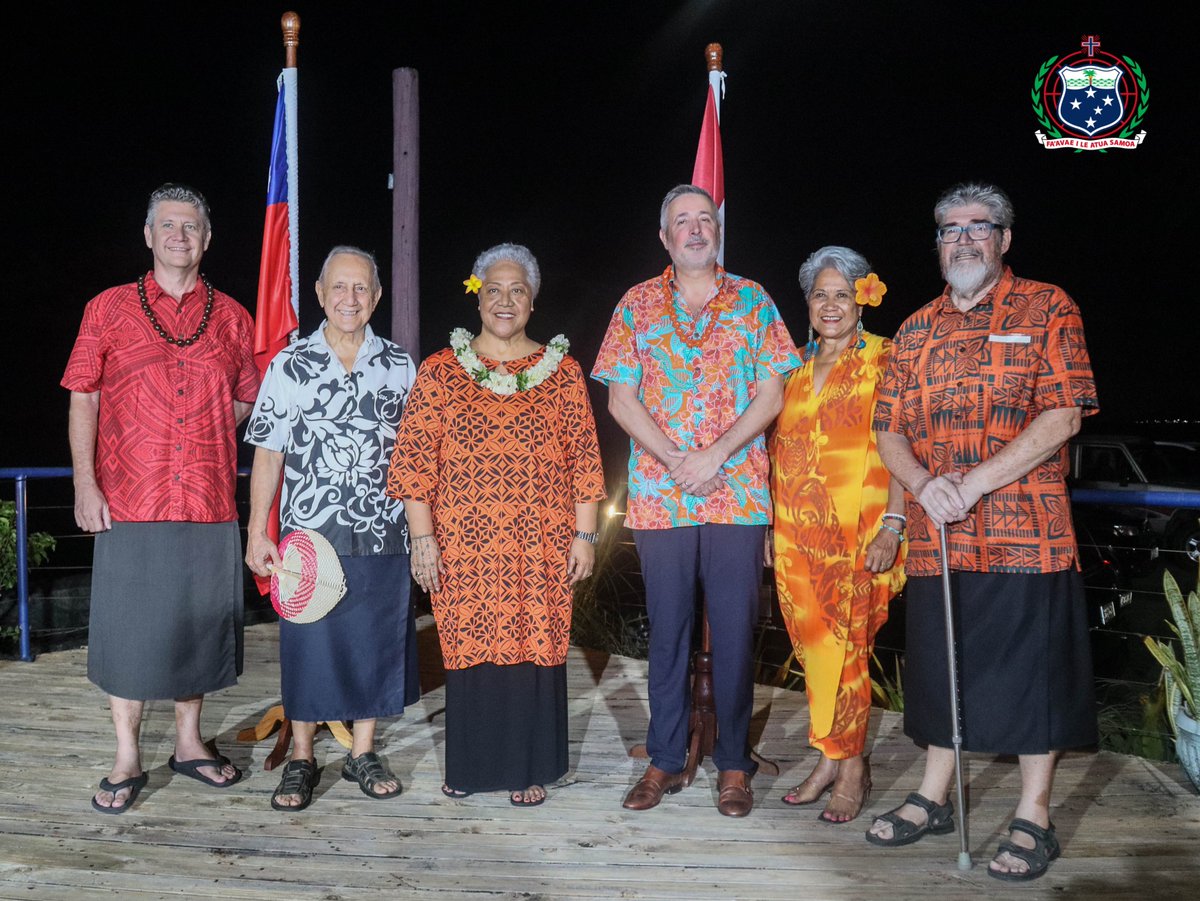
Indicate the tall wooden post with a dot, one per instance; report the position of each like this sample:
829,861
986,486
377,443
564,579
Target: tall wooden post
406,283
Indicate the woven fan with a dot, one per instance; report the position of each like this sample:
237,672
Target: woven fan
309,581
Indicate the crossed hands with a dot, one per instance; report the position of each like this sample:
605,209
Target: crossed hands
697,472
947,498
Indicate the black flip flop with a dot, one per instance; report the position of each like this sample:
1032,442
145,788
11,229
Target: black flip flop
453,792
135,784
191,769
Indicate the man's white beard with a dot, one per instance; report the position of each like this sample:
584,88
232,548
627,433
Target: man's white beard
967,276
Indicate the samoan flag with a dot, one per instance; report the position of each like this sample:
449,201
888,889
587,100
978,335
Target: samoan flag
276,317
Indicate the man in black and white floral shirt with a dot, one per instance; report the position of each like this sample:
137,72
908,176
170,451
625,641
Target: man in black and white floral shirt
326,418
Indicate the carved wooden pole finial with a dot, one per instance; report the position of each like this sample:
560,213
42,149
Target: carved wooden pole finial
290,23
713,55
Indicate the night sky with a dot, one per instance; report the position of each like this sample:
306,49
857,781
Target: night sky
561,125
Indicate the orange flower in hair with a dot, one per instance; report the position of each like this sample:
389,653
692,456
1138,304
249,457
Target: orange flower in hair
869,291
473,284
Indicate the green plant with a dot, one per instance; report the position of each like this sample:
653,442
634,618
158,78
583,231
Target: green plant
888,692
1181,678
38,545
1134,723
788,675
606,615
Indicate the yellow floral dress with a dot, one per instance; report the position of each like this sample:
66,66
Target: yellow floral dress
830,490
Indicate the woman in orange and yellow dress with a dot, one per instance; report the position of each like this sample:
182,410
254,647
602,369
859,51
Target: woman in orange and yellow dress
839,524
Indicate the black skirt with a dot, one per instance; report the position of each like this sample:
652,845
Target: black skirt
506,726
1024,663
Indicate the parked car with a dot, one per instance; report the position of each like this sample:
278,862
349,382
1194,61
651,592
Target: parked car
1133,464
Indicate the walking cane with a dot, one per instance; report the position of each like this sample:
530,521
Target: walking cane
964,856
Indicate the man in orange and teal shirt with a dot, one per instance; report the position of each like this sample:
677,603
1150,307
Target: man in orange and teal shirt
694,360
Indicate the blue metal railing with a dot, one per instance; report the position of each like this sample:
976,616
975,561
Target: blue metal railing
21,475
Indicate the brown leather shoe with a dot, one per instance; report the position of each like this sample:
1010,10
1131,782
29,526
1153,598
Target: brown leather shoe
650,789
734,797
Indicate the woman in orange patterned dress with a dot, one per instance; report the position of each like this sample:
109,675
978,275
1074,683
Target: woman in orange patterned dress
497,461
839,524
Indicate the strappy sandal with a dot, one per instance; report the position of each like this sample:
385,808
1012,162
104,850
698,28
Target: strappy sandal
300,777
368,771
1045,849
854,808
939,819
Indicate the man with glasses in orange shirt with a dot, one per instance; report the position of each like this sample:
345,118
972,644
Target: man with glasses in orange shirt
984,388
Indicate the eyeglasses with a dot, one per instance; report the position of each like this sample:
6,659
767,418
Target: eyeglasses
976,231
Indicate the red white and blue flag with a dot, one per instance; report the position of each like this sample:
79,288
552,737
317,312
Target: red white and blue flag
709,172
277,315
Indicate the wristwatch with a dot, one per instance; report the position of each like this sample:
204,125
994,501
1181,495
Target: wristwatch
589,537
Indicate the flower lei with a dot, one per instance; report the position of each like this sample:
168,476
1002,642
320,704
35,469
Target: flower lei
556,348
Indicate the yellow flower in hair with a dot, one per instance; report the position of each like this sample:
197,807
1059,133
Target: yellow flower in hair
869,291
473,284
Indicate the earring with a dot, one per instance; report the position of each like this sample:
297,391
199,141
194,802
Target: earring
860,327
810,333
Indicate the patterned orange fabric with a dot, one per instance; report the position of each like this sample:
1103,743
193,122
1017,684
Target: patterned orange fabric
502,475
961,386
830,491
695,390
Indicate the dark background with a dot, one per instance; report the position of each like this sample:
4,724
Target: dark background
561,125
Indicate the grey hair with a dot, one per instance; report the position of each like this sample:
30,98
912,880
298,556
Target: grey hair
969,193
850,263
511,253
674,194
353,251
176,193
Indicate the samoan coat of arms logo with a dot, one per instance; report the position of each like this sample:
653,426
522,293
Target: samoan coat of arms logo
1090,100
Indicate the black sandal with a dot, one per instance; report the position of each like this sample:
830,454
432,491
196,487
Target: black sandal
300,777
1045,849
368,771
939,819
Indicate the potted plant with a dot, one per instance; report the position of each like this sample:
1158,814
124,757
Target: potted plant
1182,677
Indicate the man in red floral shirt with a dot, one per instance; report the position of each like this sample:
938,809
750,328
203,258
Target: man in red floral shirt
161,374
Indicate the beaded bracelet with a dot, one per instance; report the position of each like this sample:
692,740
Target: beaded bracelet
899,516
896,532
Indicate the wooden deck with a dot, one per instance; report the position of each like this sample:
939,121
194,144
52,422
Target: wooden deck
1130,828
